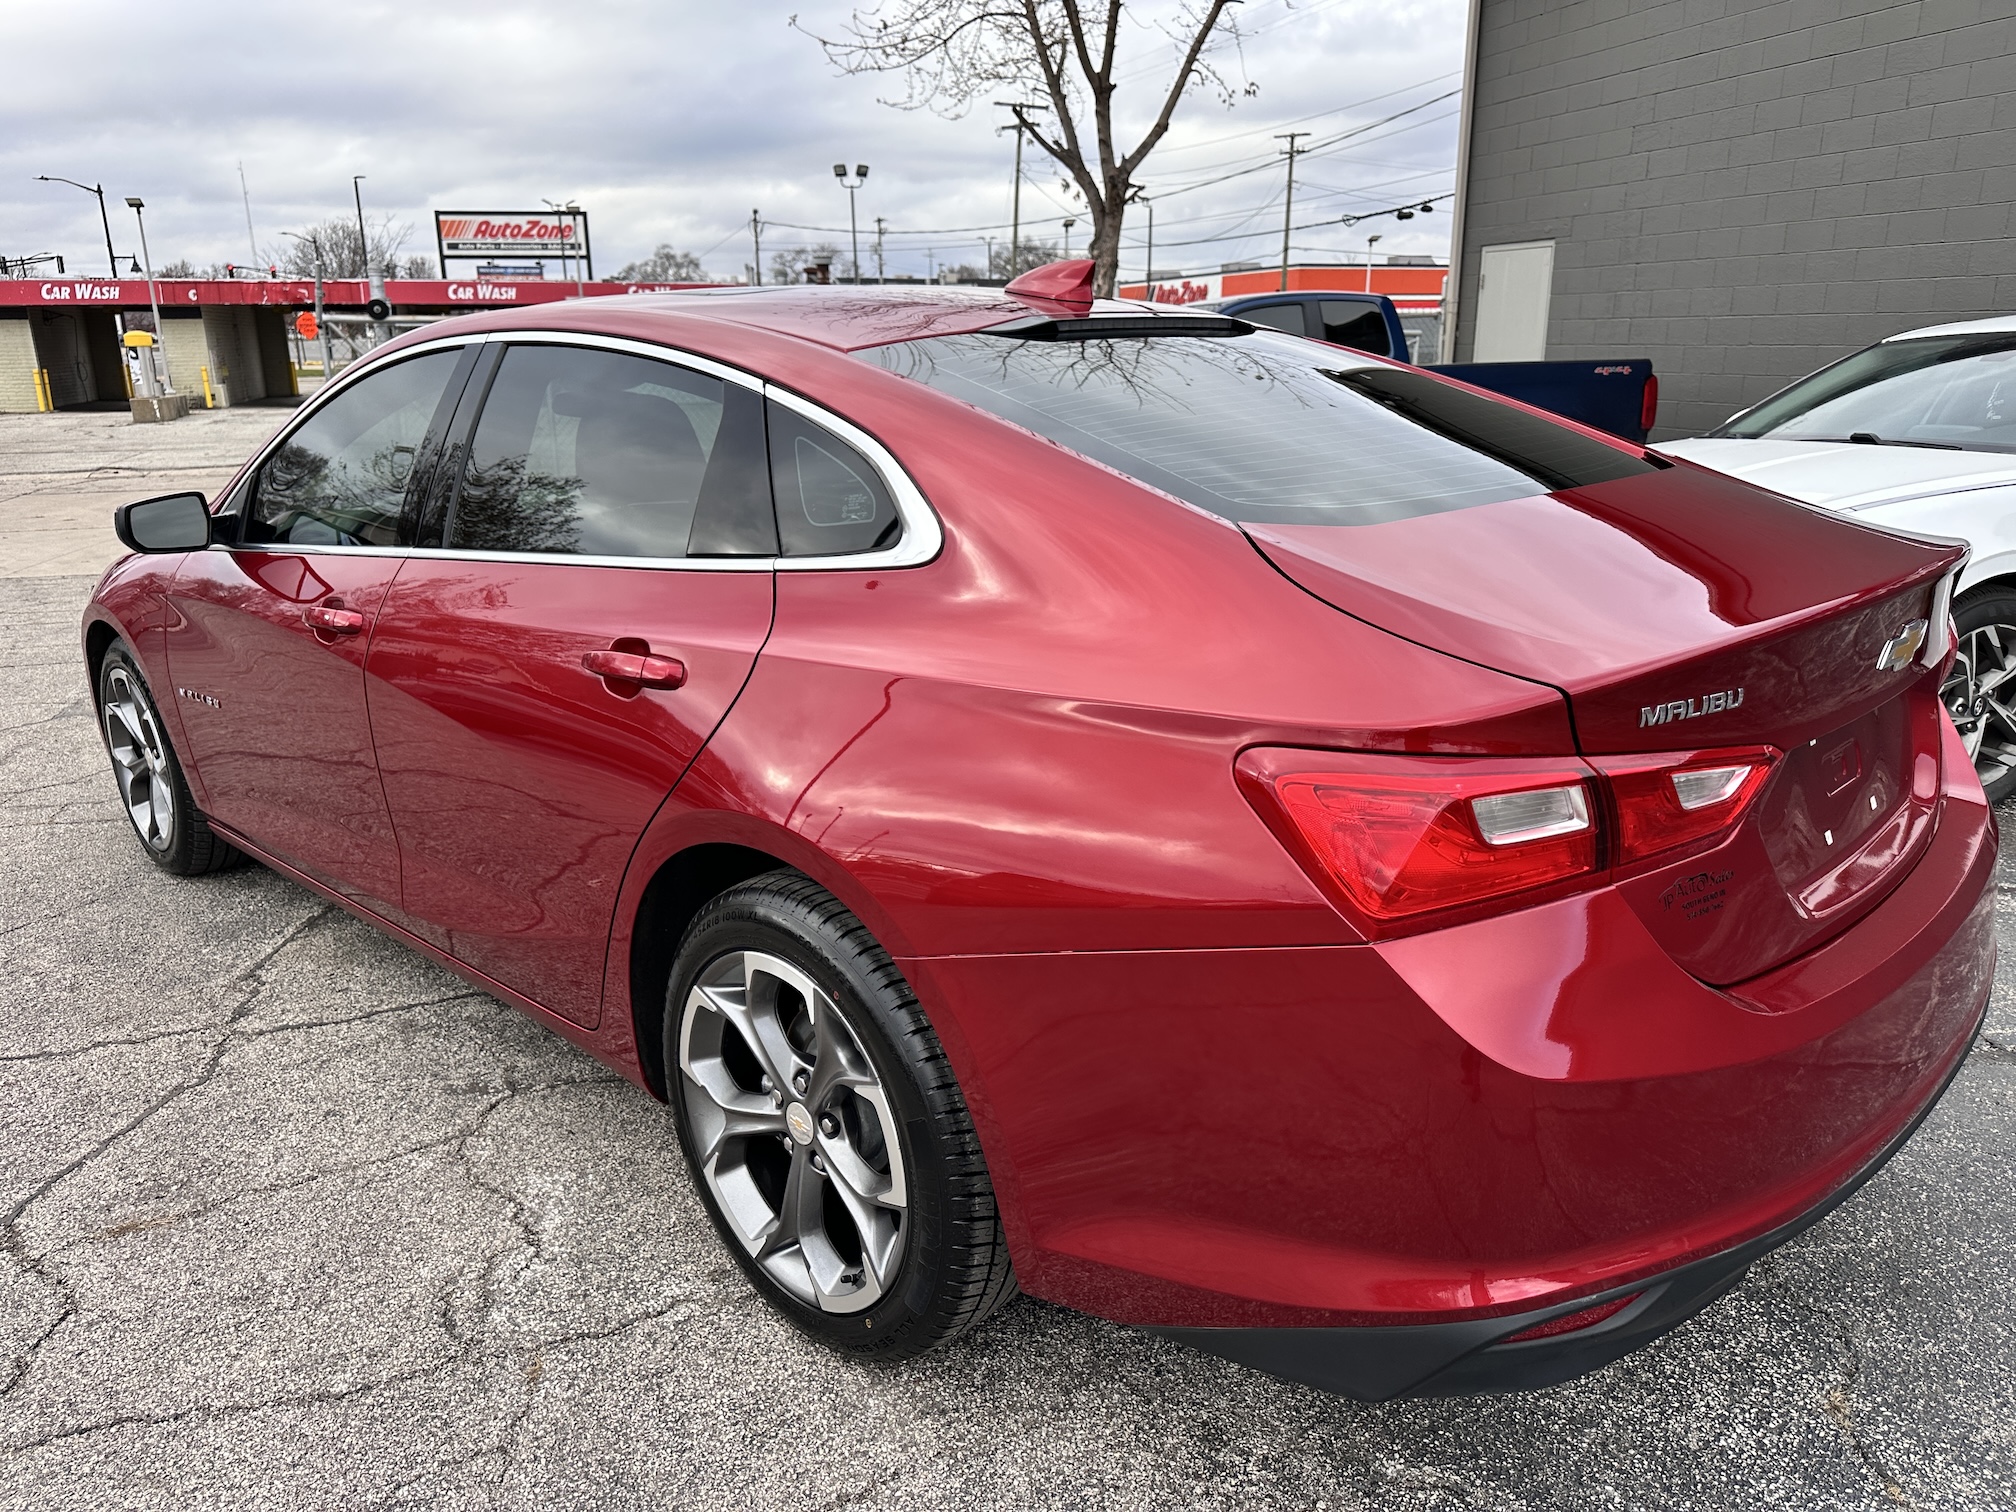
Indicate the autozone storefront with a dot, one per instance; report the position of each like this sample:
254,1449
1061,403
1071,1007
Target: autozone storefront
222,342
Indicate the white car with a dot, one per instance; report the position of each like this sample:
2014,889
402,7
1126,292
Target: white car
1916,433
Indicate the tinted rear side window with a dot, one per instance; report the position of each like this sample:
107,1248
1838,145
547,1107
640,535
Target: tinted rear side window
830,500
1264,428
597,453
1348,323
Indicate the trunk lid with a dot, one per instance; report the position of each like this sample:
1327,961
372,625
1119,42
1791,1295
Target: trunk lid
1685,611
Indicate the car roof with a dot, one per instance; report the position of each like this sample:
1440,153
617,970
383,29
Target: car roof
848,318
1961,328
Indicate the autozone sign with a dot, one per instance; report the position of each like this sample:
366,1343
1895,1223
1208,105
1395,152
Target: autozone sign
510,233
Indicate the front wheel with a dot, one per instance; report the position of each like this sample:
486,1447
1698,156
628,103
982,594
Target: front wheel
172,830
1980,693
823,1127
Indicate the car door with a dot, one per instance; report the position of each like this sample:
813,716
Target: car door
269,634
543,676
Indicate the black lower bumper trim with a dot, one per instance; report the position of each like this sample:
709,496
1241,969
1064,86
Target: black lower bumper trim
1467,1358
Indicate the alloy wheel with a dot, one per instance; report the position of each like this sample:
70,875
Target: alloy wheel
140,760
793,1132
1982,700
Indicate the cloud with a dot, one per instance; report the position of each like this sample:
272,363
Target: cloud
669,122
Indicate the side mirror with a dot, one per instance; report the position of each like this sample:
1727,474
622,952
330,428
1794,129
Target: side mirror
173,522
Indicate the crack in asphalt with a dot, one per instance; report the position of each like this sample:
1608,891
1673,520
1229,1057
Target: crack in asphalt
11,1242
1839,1401
213,1412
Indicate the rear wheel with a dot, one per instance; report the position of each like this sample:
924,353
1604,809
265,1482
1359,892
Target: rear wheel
825,1132
173,832
1980,692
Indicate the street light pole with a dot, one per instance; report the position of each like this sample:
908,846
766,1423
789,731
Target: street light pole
153,301
853,226
1369,241
111,258
879,275
1069,222
756,235
363,240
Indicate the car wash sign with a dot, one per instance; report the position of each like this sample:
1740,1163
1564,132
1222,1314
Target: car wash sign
513,233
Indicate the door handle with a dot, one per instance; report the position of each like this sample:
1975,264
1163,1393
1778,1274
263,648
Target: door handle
331,619
636,668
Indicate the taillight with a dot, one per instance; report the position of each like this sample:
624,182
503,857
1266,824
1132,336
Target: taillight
1680,797
1409,842
1404,836
1648,407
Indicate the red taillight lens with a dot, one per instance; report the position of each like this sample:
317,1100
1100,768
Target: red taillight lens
1680,797
1648,408
1402,836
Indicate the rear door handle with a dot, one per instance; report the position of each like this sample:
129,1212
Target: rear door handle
636,668
331,620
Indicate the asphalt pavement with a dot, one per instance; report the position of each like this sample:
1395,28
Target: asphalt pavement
291,1218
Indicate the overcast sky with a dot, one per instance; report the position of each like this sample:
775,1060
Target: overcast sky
670,122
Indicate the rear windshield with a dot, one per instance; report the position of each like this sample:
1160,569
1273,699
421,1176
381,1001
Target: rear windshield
1265,428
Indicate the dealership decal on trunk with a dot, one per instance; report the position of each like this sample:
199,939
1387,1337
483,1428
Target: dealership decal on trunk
1689,708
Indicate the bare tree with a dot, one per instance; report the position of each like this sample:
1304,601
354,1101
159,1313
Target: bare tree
343,254
951,53
663,266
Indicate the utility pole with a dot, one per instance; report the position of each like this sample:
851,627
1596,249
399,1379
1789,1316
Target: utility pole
1151,246
1015,215
756,235
1288,208
853,224
990,254
363,241
879,277
111,257
245,193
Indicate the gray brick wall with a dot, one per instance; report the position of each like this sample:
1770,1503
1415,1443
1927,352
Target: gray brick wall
1742,191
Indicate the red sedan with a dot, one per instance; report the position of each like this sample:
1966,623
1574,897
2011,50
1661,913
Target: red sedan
1225,832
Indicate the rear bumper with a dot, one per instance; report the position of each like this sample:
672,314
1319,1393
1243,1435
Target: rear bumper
1473,1130
1471,1358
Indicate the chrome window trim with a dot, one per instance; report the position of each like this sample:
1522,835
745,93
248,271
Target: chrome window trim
921,540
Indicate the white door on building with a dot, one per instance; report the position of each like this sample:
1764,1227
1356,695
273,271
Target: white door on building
1515,282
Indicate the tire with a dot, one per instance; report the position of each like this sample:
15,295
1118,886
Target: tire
1980,692
823,1128
171,829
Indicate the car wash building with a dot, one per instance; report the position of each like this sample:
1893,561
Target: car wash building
221,342
1741,192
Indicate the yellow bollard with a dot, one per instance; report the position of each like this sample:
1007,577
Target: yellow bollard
209,400
45,402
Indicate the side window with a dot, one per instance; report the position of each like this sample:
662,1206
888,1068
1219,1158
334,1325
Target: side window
1359,326
341,478
584,452
1282,317
830,500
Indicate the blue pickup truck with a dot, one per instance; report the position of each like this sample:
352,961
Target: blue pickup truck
1619,394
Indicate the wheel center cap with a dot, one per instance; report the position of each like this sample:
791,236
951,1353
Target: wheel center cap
799,1121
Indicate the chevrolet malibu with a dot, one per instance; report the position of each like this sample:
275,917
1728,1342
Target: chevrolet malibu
1229,833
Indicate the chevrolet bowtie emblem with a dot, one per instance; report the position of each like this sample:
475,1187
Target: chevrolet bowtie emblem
1898,651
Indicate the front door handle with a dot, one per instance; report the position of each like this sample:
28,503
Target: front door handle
332,619
638,669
